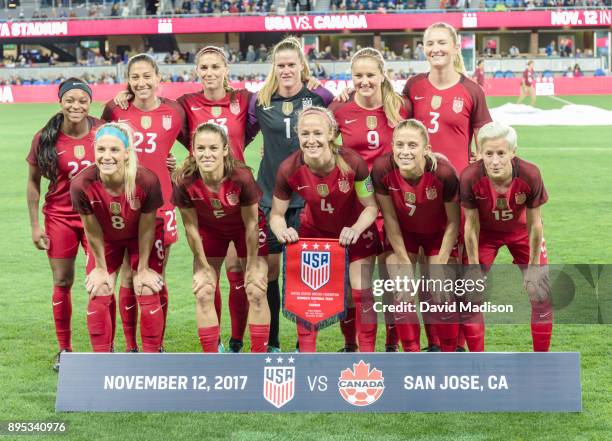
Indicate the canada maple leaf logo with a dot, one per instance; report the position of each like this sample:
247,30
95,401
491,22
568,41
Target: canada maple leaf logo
361,386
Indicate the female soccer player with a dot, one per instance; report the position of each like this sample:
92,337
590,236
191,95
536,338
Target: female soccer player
118,202
60,150
157,123
418,193
501,195
219,103
450,105
528,84
285,92
218,200
336,187
366,121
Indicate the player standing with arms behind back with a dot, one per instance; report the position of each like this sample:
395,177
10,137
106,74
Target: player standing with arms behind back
275,110
218,199
450,105
59,151
158,123
502,195
118,201
366,121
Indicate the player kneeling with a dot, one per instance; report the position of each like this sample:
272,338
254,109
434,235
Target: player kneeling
337,190
117,202
502,195
218,200
418,193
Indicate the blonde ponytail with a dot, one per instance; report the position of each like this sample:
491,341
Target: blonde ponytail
270,86
458,63
392,101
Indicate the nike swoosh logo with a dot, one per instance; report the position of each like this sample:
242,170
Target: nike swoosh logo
154,311
61,153
303,186
91,313
481,198
545,315
196,108
367,310
242,286
123,120
370,244
348,321
394,189
349,121
268,108
127,308
58,303
96,202
416,98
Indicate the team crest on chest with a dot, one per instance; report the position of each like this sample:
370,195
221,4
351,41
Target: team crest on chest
344,185
520,198
431,193
306,103
115,208
215,111
216,204
79,151
501,204
436,102
167,122
134,203
287,108
410,197
371,122
145,122
235,107
232,198
323,190
457,104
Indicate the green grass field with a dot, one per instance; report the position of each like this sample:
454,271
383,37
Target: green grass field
576,164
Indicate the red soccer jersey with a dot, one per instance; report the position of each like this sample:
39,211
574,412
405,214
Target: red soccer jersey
229,112
480,77
419,205
331,200
219,212
117,216
155,132
73,155
503,212
450,115
528,77
367,132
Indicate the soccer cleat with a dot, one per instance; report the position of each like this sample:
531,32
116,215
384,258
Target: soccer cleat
221,348
273,349
56,360
133,350
161,350
235,346
391,348
434,348
349,348
460,349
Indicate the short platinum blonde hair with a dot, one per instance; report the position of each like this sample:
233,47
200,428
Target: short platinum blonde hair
496,130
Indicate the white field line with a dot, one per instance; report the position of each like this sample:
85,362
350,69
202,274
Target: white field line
552,97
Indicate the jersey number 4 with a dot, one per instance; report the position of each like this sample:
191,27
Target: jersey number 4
326,206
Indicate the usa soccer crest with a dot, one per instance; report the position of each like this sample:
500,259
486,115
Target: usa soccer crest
287,108
79,151
323,190
457,105
235,107
431,193
520,198
306,103
436,102
279,385
167,122
315,268
344,185
216,111
115,208
232,198
371,122
145,122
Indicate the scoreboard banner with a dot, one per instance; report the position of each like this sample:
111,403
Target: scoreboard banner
315,282
283,382
409,20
